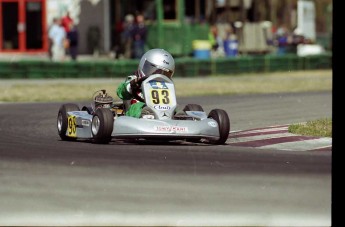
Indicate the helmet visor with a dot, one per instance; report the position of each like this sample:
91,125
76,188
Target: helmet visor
150,69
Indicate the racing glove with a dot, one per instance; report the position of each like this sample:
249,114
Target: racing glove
134,85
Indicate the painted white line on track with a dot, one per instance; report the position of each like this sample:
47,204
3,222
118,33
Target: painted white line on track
259,137
302,145
262,130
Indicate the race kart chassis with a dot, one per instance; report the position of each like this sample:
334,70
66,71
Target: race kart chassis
102,124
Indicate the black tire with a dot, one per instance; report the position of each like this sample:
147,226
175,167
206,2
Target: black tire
102,125
193,107
62,120
222,118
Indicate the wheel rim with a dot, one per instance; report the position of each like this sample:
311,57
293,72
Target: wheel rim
95,125
59,122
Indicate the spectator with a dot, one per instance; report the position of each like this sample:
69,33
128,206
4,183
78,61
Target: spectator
57,35
50,44
283,39
66,22
73,38
139,34
126,36
213,37
216,41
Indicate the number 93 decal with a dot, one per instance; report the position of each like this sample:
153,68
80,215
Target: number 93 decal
72,126
160,96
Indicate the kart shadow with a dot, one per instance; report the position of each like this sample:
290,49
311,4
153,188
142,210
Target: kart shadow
146,142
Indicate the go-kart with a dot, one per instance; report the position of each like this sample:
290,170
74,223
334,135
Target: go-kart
106,119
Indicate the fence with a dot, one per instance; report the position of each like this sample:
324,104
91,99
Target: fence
185,67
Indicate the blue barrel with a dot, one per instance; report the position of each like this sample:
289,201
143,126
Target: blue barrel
231,47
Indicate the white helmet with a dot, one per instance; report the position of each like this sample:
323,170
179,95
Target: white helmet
156,61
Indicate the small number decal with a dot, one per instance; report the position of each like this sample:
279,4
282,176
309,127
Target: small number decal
72,126
155,96
165,94
160,96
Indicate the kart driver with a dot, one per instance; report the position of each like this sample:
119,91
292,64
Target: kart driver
152,62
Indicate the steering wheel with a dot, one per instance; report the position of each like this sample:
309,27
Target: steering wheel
135,93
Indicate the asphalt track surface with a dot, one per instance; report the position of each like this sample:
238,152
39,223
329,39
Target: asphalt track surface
46,181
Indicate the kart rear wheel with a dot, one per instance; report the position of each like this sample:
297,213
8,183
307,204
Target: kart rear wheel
102,125
222,118
193,107
62,120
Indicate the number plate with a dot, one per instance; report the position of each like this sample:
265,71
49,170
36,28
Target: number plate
72,126
160,96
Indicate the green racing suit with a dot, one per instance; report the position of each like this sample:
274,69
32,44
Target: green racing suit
123,93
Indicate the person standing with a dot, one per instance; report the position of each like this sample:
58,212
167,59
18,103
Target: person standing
139,36
57,35
213,37
50,43
283,39
126,36
73,38
67,22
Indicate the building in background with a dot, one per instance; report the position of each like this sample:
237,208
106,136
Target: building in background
23,26
173,24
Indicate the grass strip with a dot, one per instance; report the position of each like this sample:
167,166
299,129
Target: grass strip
50,90
319,128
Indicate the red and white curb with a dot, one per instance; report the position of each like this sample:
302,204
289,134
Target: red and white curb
278,137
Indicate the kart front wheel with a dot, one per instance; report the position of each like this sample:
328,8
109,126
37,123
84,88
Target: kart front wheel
62,120
222,118
102,125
